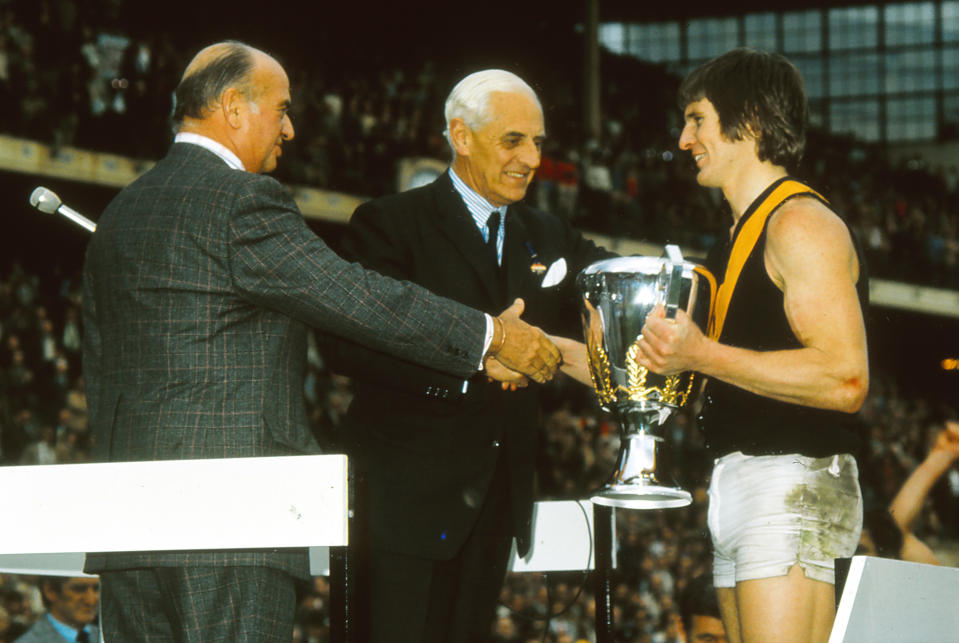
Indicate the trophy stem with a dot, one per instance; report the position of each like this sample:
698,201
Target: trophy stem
636,483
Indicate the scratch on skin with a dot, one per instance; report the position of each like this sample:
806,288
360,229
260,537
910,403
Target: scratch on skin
854,383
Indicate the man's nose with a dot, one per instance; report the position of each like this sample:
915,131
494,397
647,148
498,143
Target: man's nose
531,155
686,139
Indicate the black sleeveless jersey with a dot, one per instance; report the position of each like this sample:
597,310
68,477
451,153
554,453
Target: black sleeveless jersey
734,419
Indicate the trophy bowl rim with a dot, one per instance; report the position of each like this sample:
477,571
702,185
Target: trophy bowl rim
635,264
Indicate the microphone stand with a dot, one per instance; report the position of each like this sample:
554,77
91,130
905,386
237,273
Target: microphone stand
47,201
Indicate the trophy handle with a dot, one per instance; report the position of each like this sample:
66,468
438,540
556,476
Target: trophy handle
675,280
711,313
710,322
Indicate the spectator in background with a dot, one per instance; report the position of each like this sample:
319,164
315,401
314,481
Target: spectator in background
702,622
890,532
72,605
16,606
909,501
43,450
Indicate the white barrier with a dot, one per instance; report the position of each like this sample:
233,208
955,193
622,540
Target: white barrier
891,601
232,503
562,538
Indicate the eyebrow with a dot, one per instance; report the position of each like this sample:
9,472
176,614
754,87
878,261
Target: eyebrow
539,137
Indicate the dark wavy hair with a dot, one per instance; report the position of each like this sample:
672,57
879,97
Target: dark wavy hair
55,584
698,598
198,92
755,92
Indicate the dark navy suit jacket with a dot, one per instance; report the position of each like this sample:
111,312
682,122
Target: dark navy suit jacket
427,450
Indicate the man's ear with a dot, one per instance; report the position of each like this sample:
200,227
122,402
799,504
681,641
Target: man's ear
752,128
232,106
461,136
50,593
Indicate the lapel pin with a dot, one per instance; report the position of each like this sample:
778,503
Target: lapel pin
536,266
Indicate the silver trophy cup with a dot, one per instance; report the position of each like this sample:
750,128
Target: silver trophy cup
617,295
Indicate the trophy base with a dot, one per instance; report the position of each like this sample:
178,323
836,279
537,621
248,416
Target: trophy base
641,496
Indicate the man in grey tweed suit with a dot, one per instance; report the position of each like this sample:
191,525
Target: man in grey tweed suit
200,284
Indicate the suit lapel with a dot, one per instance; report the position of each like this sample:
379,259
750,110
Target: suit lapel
465,237
517,256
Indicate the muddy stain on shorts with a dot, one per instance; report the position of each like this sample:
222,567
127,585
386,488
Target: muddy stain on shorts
829,502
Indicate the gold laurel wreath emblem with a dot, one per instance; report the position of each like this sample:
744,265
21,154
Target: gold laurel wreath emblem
636,390
599,372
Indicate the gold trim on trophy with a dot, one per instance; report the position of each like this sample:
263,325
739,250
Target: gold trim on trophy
617,296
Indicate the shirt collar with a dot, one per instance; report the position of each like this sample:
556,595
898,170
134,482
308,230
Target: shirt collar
69,633
478,207
220,150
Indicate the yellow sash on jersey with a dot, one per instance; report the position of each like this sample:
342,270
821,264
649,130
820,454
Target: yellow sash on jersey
743,246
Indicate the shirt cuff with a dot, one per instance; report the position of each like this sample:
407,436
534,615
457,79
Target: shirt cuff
489,338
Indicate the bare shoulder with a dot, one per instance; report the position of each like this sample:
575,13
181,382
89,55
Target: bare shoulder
806,217
804,233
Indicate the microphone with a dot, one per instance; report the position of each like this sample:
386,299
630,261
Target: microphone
46,200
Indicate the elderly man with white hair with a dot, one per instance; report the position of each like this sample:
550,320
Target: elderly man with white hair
448,464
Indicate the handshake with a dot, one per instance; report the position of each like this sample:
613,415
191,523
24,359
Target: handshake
519,351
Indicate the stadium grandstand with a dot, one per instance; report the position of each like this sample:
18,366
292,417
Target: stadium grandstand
85,94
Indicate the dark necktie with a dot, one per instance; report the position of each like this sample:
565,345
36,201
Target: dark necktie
83,637
492,225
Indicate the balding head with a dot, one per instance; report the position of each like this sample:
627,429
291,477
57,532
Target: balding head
212,71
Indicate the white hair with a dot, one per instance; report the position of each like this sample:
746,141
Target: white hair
469,100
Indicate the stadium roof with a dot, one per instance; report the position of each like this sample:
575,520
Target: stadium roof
633,11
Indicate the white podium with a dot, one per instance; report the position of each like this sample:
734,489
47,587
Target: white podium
231,503
891,601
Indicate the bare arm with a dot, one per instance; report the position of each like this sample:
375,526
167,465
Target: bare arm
575,362
908,502
810,257
916,551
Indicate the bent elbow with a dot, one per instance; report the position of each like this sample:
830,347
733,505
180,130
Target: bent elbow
851,393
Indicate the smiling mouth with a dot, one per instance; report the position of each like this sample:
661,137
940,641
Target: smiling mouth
520,176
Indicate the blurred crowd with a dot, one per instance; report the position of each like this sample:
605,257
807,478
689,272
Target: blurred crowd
74,73
71,74
43,420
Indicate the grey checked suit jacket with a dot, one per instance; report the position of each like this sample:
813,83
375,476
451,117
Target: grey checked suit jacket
200,283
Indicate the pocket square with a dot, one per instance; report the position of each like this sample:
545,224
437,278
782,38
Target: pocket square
555,274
